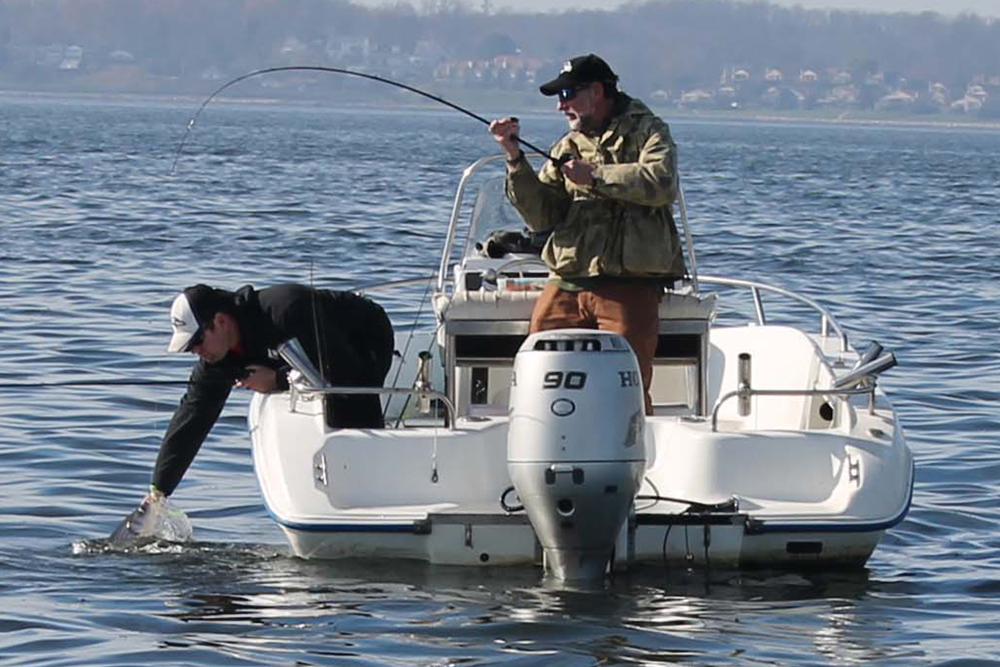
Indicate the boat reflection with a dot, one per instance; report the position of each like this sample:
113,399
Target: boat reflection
655,616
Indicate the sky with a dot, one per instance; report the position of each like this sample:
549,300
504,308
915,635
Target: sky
986,8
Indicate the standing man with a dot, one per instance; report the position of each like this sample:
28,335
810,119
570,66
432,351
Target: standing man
614,246
235,334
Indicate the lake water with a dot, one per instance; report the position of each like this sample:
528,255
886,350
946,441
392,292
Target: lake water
896,230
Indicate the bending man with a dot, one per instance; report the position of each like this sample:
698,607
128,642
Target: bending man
235,334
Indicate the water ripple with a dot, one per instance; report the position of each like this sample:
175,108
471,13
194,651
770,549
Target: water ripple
889,228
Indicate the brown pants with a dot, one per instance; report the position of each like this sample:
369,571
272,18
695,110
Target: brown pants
630,310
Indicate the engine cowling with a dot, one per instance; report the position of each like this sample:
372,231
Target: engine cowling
575,449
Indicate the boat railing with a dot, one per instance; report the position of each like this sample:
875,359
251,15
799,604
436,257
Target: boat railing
692,262
391,285
827,321
746,393
428,394
456,215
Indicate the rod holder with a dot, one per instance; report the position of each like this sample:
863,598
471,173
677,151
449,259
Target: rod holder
423,381
871,353
743,383
292,352
866,371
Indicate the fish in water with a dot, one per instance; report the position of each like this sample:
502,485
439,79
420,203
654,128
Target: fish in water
154,519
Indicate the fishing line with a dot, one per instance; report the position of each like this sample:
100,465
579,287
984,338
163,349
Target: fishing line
94,383
406,348
338,70
406,402
316,326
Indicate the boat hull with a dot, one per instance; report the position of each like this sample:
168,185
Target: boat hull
478,541
356,504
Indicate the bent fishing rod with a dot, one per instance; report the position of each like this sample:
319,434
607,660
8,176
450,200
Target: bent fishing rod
340,70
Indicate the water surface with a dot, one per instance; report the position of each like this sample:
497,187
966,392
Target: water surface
895,230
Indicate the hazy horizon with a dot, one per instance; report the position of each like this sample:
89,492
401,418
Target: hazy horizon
985,8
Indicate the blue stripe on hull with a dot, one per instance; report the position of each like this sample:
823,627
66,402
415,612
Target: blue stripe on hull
859,527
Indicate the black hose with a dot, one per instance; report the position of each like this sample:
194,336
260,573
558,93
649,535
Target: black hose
694,506
503,502
338,70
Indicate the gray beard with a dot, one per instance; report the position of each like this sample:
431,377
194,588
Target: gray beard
587,124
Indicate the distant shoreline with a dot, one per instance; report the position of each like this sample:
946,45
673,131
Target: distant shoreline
501,102
846,118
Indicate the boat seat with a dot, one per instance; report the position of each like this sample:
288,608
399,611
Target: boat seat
517,305
781,358
792,466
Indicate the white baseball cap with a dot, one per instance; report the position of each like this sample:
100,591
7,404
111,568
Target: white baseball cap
191,310
184,322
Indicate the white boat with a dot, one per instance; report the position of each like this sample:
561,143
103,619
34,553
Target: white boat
771,443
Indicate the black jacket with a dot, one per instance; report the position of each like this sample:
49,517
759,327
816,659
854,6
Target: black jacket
352,333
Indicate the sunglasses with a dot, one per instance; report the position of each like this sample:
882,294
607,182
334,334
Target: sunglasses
566,94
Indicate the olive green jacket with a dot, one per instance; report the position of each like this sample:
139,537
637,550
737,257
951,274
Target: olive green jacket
620,226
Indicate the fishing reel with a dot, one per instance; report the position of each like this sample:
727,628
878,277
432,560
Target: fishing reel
501,243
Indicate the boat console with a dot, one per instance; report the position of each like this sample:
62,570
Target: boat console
485,315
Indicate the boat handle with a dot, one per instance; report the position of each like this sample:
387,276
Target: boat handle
388,391
746,393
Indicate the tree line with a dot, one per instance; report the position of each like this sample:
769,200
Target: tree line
657,44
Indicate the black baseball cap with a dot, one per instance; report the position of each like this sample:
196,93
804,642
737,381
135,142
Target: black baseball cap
579,71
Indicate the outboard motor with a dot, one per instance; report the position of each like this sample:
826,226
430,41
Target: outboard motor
575,449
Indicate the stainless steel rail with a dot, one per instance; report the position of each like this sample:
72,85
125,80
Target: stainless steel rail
688,240
747,393
386,391
392,284
456,214
827,320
